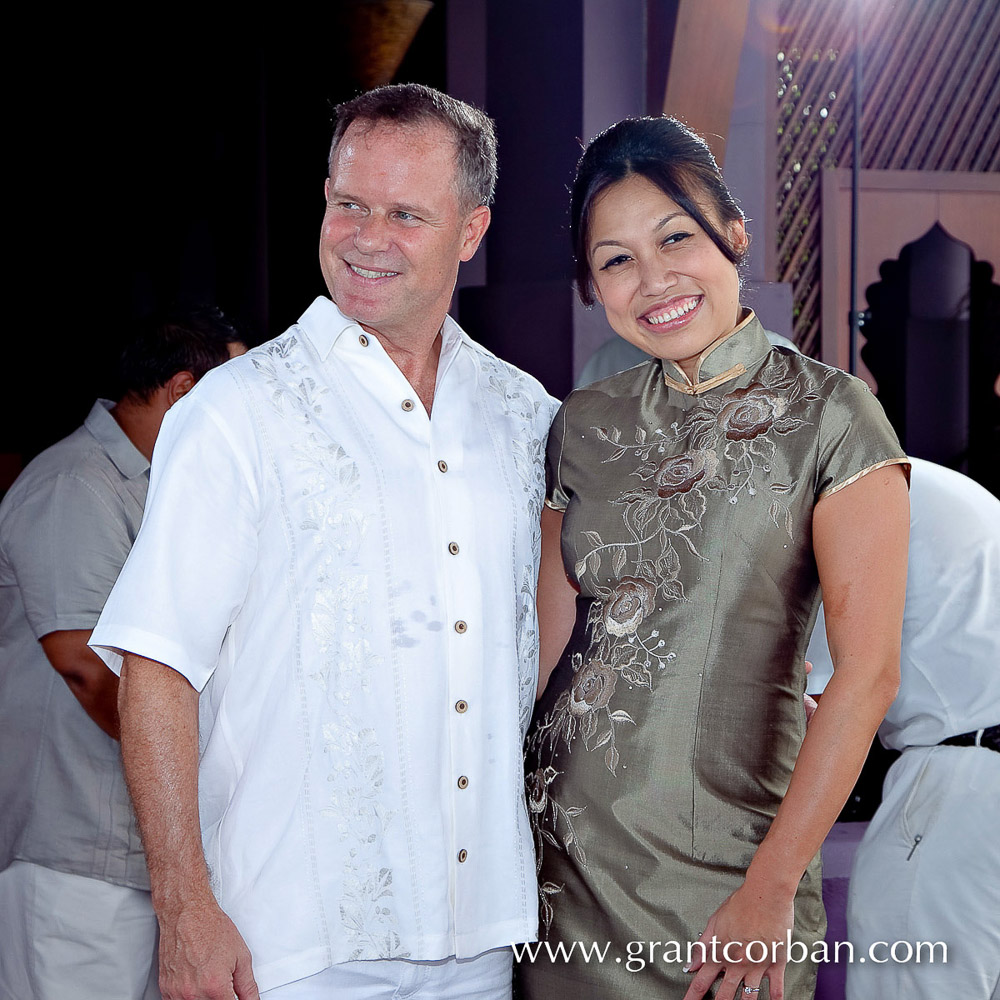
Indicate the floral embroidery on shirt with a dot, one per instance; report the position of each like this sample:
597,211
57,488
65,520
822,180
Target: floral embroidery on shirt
522,402
331,516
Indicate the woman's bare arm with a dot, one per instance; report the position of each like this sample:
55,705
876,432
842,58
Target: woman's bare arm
860,537
556,598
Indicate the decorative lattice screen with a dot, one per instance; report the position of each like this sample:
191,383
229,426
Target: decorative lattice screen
931,101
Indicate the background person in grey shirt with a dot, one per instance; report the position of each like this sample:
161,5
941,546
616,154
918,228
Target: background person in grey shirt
75,916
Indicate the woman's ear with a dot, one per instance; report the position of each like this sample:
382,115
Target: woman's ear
738,238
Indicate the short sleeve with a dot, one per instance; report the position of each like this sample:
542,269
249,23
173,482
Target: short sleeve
855,438
66,542
555,495
188,573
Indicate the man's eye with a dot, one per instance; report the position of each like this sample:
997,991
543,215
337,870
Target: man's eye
405,217
615,261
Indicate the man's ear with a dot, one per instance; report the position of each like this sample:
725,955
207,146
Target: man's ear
178,385
475,229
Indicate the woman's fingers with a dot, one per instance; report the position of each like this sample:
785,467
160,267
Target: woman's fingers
740,980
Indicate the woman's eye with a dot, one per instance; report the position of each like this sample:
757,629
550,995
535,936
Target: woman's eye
674,238
614,261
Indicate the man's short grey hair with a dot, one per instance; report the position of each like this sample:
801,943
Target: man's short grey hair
414,105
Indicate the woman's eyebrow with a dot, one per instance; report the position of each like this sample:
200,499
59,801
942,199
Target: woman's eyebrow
617,243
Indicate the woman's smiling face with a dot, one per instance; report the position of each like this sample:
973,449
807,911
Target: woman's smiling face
665,286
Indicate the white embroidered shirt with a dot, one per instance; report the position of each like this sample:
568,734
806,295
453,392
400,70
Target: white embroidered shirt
350,585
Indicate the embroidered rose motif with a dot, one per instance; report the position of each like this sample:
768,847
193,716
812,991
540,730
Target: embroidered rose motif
538,788
682,473
593,687
748,413
630,602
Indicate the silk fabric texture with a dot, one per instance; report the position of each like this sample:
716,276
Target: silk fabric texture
664,742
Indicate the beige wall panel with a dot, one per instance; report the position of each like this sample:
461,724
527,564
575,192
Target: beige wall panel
704,61
897,207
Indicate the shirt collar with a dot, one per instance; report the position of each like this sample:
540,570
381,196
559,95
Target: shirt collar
129,461
324,324
726,358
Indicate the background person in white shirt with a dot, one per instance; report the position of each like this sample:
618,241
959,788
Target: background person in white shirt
328,615
928,868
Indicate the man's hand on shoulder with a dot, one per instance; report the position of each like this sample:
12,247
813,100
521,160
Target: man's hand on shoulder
202,956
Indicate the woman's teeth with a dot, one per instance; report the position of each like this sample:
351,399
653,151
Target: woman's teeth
675,313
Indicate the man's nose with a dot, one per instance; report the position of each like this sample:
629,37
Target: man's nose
372,234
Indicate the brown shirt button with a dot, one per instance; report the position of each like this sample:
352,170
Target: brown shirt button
363,340
461,706
461,628
407,405
453,548
462,855
443,465
463,782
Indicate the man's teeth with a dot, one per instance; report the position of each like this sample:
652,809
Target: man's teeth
681,310
366,273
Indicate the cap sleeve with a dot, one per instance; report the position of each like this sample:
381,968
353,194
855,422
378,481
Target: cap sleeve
555,495
855,438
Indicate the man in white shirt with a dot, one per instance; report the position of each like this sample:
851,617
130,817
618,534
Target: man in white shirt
928,868
330,603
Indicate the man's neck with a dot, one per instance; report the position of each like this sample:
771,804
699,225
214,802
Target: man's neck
140,421
417,361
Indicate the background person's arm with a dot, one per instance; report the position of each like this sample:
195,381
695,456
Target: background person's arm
860,538
202,956
93,685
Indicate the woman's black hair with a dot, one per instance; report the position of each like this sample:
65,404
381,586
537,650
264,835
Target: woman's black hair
669,155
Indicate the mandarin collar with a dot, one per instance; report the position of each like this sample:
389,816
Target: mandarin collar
730,356
129,461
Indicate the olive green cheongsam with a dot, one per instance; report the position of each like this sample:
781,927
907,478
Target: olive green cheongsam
665,740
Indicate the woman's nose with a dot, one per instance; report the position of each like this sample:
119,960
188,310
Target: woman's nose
655,278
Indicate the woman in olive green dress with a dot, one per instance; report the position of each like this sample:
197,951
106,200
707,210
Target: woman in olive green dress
695,504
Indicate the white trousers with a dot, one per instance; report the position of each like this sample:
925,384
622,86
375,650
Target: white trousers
928,869
485,977
67,936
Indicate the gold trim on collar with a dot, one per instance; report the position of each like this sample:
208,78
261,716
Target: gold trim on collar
711,383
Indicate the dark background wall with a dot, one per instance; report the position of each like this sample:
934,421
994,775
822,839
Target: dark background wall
179,163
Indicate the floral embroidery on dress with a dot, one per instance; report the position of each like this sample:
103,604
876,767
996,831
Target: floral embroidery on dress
724,445
331,515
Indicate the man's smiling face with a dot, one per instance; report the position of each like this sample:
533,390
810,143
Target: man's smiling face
394,230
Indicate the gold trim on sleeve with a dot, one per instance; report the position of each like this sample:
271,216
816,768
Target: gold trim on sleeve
864,472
